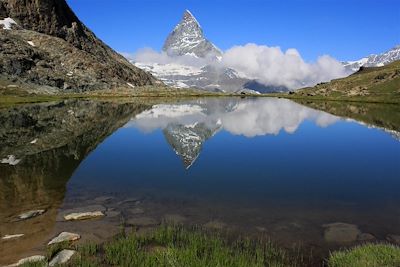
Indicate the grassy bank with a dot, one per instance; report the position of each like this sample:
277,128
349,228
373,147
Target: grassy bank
178,246
175,246
370,255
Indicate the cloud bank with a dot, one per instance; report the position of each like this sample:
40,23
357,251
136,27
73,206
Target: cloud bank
268,65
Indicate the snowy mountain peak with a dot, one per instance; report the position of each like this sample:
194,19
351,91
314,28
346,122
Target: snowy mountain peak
187,38
188,16
374,60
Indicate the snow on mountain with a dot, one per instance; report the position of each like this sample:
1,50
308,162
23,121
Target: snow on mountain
7,23
374,60
187,38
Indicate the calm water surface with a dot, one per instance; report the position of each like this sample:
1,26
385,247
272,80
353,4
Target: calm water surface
250,166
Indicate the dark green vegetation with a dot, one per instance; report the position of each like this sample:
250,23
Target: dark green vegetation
381,84
180,246
370,255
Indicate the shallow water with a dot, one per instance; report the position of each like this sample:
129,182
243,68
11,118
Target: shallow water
251,166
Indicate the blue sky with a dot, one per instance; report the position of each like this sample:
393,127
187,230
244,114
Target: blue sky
344,29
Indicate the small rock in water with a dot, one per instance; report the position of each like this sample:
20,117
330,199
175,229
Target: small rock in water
11,160
341,232
365,237
103,199
62,257
174,219
83,215
31,259
78,210
136,200
8,237
64,236
142,221
218,225
393,239
261,229
30,214
113,213
136,211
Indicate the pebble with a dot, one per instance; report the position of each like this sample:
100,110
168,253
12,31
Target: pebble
62,257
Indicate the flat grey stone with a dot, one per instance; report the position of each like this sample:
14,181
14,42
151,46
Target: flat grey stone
63,237
30,214
31,259
83,215
83,209
62,257
14,236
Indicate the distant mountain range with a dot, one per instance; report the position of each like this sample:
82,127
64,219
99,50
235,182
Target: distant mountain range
187,39
374,60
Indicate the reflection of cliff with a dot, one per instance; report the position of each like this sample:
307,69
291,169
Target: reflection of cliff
187,140
63,134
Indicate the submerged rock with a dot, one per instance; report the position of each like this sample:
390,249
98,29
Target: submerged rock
393,239
31,259
174,219
218,225
8,237
136,211
365,237
63,237
62,257
30,214
83,215
142,221
102,199
341,232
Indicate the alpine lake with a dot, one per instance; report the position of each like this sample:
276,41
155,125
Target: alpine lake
317,176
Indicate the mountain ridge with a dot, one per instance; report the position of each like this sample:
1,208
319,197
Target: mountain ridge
374,60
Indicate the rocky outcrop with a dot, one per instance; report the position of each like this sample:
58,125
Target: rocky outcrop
51,46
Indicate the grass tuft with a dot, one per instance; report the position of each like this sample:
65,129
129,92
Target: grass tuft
369,255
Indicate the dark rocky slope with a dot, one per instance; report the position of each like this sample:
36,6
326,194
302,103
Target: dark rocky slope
62,52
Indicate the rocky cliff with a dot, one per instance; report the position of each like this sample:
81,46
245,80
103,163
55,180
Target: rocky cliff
48,45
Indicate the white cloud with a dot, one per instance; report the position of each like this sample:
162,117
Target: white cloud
268,65
245,117
272,66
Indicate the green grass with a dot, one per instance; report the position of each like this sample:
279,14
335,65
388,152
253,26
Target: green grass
178,246
370,255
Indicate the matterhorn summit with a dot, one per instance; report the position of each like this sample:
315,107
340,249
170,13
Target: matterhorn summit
187,38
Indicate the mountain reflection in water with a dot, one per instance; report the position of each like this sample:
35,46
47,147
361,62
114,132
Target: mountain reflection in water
188,125
257,163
